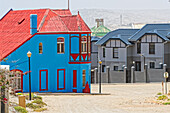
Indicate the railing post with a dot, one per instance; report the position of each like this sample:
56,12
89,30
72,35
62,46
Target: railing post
125,74
108,74
146,74
132,74
95,76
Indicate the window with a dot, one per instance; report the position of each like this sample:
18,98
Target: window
104,52
84,44
151,48
84,78
60,45
103,68
138,66
115,52
152,65
115,68
138,48
40,48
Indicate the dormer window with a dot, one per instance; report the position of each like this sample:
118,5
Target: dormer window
84,44
60,45
40,48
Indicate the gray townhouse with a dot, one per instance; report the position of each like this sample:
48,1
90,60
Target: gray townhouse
124,48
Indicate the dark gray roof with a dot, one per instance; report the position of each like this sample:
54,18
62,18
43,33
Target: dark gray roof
94,38
160,29
122,34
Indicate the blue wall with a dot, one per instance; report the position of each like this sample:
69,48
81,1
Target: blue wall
49,60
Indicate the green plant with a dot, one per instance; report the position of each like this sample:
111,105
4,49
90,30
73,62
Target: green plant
20,109
19,94
32,106
37,97
38,101
163,97
159,93
40,109
166,103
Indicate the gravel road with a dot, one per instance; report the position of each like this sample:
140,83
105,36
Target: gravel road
123,98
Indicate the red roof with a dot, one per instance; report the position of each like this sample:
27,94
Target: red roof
15,26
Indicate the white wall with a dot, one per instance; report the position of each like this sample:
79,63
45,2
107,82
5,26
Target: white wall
157,57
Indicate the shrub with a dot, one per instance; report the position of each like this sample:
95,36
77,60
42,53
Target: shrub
32,106
159,93
163,97
37,97
19,94
38,101
166,103
20,109
40,109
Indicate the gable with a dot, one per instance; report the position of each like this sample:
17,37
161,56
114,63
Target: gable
147,38
115,43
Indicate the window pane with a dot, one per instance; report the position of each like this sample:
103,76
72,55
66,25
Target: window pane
152,65
85,47
151,48
104,52
115,68
115,52
103,68
62,48
138,48
40,47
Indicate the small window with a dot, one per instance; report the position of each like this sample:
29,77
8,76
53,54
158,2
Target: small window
84,44
84,78
115,68
138,48
151,48
60,45
152,65
104,52
103,68
115,52
40,48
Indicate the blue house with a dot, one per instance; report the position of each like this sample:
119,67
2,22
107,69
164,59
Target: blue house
60,47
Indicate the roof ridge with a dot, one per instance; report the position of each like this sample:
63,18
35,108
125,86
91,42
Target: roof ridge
60,19
137,32
43,19
6,14
84,22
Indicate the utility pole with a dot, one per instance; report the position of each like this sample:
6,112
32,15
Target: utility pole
68,4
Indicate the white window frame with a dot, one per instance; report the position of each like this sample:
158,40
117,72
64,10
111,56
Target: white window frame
60,43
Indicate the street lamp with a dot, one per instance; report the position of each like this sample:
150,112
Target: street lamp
29,56
100,64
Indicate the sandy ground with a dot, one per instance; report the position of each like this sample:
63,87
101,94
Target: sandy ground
124,98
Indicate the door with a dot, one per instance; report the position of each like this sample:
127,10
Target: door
75,81
61,79
43,80
138,66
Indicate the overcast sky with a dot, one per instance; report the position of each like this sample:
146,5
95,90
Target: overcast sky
5,5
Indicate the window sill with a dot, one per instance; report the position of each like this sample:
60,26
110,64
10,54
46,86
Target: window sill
60,53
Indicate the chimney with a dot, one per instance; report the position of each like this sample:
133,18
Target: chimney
33,24
100,22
